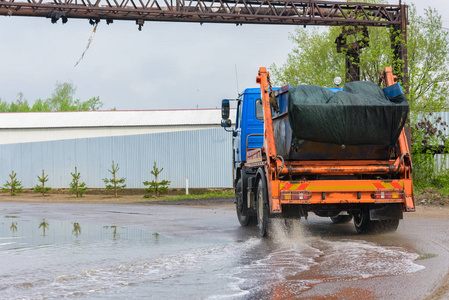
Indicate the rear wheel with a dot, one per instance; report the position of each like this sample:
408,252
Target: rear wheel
243,220
263,222
388,225
340,219
362,222
364,225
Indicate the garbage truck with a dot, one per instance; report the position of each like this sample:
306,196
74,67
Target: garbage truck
337,152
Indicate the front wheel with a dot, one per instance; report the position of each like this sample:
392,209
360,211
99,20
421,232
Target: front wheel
243,220
263,222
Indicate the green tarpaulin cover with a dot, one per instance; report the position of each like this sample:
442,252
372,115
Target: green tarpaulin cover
361,114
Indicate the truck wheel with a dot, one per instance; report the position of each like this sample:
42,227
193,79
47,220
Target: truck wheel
341,219
364,225
263,222
388,225
362,222
243,220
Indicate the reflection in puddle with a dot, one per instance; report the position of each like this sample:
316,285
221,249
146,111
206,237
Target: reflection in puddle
13,227
76,229
43,258
44,225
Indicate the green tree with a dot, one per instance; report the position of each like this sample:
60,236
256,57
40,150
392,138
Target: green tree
62,99
20,105
4,106
13,186
114,183
40,105
76,187
41,188
427,47
314,60
156,186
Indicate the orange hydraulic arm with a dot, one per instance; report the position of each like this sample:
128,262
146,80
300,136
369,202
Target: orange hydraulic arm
389,79
269,142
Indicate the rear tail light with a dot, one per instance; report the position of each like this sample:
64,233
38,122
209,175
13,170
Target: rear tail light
388,194
295,195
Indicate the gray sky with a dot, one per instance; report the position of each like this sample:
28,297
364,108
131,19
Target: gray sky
166,65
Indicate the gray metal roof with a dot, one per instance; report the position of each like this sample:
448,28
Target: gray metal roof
111,118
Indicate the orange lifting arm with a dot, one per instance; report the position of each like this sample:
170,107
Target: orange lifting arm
389,79
269,142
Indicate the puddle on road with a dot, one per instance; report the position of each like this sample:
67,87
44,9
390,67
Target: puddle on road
43,258
291,262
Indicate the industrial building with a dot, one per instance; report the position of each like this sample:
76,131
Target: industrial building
186,143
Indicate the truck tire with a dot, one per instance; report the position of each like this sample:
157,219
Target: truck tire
243,220
364,225
362,222
341,219
263,221
388,225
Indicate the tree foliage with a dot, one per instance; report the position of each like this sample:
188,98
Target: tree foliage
428,46
314,60
76,186
41,188
429,137
156,186
62,99
13,186
114,183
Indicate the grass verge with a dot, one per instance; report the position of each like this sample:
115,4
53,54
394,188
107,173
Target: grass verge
200,196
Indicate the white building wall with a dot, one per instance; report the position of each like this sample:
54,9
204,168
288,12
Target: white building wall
28,135
204,156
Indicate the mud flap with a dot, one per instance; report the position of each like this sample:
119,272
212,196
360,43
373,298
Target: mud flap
386,212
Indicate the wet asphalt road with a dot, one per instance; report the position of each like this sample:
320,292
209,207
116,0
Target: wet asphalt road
318,260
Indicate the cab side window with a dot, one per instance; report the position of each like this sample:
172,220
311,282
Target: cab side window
239,115
259,109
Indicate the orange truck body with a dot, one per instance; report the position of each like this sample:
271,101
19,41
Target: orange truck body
282,192
335,193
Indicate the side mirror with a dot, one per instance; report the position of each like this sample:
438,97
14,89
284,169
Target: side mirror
225,110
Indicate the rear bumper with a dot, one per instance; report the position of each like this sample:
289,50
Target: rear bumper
343,192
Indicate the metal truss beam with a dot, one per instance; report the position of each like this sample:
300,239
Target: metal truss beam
330,13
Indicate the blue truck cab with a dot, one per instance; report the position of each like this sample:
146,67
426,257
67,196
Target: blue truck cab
248,131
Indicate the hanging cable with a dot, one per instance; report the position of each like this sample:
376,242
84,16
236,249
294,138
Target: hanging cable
88,43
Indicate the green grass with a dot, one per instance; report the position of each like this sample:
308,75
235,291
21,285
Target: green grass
201,196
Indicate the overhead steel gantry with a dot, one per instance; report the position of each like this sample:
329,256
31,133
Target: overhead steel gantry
307,12
213,11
